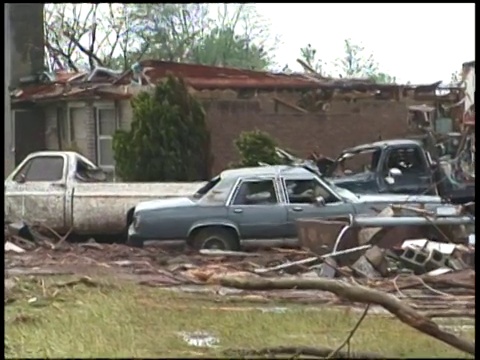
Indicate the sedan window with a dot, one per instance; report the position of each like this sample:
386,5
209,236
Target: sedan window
306,191
260,192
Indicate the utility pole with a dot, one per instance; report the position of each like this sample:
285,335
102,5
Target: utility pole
8,120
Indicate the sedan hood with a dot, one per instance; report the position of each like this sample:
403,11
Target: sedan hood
164,203
399,198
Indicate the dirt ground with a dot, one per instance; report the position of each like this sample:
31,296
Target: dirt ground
157,266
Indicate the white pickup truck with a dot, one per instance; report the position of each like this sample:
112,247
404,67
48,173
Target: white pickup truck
66,191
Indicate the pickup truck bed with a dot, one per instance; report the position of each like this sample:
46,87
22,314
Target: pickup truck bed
46,188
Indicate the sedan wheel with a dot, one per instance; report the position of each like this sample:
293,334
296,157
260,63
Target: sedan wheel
217,238
214,244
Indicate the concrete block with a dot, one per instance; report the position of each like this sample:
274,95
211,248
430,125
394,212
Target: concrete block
376,257
328,268
363,268
456,264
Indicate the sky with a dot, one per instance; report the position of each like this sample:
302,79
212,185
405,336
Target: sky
417,43
420,43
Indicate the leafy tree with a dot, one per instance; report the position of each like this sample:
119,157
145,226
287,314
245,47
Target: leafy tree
309,55
254,147
356,63
168,139
118,35
222,47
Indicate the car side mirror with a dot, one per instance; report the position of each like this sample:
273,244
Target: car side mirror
394,172
20,178
320,201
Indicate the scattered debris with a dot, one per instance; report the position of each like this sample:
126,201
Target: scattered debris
362,294
216,252
12,247
199,339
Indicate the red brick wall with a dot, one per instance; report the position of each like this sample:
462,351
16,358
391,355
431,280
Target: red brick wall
344,125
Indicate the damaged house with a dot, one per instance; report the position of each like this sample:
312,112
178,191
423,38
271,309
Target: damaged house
81,111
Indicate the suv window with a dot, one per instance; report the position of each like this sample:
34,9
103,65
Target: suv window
305,191
46,168
259,192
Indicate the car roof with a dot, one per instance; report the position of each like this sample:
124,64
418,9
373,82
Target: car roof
268,170
383,143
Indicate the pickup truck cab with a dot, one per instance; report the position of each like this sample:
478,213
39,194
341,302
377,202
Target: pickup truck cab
400,166
66,191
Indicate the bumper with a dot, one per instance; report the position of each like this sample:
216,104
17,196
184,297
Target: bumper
133,237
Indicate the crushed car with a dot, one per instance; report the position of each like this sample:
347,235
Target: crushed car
253,205
397,166
66,192
393,166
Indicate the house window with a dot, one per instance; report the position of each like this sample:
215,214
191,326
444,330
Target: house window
106,126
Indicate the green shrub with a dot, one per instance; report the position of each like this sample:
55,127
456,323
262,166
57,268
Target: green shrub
254,147
168,139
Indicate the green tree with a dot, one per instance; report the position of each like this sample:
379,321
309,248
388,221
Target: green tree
254,147
222,47
118,35
190,33
309,55
168,139
358,63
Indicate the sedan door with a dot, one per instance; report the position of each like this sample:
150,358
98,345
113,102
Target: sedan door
257,211
301,197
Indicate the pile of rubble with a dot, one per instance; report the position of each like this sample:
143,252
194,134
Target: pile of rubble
376,254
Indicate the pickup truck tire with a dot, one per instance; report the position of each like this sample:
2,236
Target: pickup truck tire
216,238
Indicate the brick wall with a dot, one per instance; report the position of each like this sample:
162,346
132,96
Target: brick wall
83,123
344,125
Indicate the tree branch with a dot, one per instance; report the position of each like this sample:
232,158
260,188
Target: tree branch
362,294
320,352
334,353
83,49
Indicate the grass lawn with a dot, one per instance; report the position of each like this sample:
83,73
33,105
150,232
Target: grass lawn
116,319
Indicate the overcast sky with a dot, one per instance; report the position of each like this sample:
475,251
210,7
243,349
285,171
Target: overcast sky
421,43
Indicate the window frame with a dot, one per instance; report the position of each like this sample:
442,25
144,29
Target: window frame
424,159
241,181
98,108
69,126
287,199
28,163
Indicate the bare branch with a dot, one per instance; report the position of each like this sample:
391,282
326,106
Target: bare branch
334,353
357,293
84,50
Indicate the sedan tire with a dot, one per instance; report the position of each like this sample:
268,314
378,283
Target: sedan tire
216,238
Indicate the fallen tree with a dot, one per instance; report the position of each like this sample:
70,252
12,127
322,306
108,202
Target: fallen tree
361,294
306,351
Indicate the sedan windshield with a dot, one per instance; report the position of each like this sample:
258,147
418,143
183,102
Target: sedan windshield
207,187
